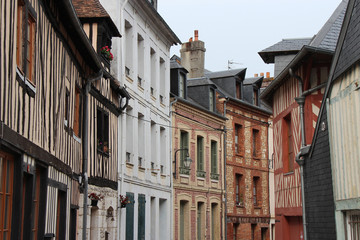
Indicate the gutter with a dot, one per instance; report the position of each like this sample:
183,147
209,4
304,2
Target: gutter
300,160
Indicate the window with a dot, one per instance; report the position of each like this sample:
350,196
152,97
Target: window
61,216
211,100
256,192
102,131
288,148
256,97
129,48
200,156
253,226
77,112
184,225
67,107
6,194
215,224
128,157
182,80
140,59
214,162
140,81
239,190
239,139
184,144
238,90
25,46
353,225
256,143
235,231
200,221
153,70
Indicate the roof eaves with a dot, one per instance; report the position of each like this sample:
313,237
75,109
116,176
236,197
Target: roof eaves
266,95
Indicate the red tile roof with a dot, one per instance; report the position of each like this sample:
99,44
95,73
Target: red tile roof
89,9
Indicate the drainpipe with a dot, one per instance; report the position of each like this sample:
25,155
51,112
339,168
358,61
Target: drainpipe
171,176
225,100
300,160
121,155
85,147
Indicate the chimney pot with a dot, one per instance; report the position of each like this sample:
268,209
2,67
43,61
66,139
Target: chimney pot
267,74
261,74
196,33
191,39
256,75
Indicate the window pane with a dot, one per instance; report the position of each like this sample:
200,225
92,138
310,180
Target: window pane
7,181
1,203
7,209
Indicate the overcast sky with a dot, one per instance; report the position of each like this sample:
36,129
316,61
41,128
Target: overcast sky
237,30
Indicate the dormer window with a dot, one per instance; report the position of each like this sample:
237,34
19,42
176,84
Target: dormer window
211,100
238,90
256,97
182,85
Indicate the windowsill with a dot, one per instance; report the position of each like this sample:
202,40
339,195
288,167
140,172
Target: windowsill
153,98
141,169
162,105
140,88
76,138
25,83
257,207
256,157
128,78
240,205
163,175
129,164
184,175
106,154
288,173
239,154
154,173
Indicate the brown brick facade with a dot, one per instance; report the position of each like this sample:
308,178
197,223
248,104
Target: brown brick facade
198,196
247,173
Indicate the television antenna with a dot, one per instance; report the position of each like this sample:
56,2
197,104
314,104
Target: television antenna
231,62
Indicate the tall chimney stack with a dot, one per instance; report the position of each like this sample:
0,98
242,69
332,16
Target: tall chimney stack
193,56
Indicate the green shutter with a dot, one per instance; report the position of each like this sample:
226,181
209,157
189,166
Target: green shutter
130,216
213,157
184,144
182,227
200,154
141,217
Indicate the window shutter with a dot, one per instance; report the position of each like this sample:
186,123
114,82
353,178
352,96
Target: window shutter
141,217
130,216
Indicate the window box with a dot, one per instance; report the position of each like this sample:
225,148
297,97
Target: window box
200,173
184,170
214,176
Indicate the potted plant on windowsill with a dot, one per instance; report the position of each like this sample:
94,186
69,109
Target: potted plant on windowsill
123,201
105,52
94,197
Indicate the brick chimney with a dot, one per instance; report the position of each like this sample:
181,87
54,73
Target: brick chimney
193,56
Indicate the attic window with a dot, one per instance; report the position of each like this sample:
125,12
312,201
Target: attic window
211,100
238,90
256,97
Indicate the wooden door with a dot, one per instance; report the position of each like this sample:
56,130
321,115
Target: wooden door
6,194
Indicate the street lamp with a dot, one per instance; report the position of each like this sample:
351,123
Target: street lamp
187,160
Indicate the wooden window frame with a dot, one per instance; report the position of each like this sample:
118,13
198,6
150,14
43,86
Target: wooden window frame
256,143
288,145
77,112
103,127
7,176
239,191
214,174
239,139
256,191
256,97
25,41
200,153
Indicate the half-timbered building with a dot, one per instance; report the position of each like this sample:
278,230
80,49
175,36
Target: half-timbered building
295,96
54,89
332,163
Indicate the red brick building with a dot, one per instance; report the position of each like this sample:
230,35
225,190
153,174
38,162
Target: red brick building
247,172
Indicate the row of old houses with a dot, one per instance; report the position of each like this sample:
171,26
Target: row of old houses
104,136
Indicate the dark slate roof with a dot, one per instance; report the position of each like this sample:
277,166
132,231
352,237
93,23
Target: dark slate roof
94,9
252,80
350,48
284,47
325,38
199,82
226,73
328,35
